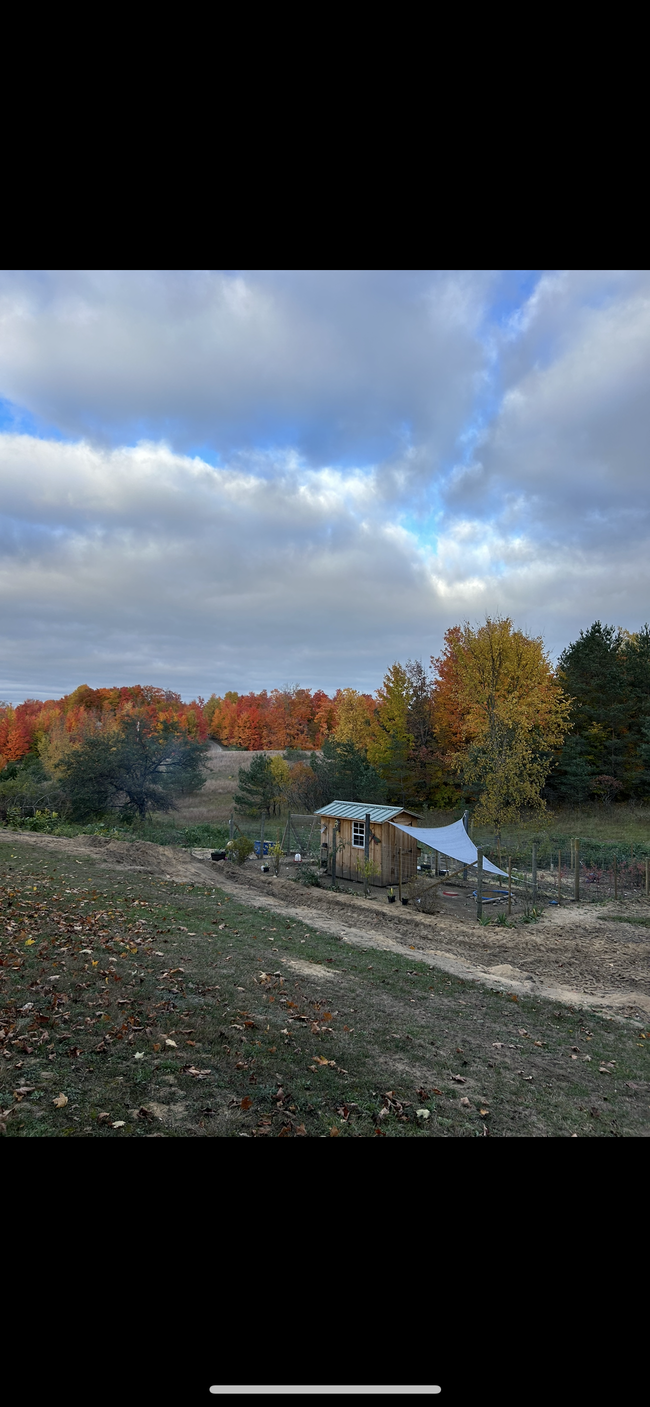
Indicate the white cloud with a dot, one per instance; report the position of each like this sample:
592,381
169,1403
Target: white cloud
342,411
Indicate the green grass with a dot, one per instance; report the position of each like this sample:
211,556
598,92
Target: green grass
619,918
158,832
385,1025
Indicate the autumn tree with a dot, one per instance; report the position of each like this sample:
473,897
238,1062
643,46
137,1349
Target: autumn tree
505,714
355,714
390,747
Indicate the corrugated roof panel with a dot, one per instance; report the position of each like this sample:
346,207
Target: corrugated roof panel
358,810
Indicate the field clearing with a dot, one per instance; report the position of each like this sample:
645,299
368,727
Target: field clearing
185,999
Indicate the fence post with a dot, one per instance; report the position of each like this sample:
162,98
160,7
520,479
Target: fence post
534,871
647,876
436,862
576,877
333,856
479,883
366,838
616,877
262,838
399,857
509,884
559,876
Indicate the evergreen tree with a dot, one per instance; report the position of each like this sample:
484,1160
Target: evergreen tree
345,774
257,787
135,768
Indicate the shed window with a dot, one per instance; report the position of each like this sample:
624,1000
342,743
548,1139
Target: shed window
359,834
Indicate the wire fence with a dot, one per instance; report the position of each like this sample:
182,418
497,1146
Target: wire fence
297,833
539,874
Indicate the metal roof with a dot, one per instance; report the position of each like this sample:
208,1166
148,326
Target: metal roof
358,810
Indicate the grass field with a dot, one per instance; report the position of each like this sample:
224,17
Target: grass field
135,1006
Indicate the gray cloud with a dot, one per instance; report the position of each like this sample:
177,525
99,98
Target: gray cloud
395,455
338,364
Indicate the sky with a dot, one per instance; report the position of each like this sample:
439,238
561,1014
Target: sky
236,479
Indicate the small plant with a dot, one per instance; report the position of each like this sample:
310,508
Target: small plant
366,871
310,878
40,821
531,915
504,922
485,922
240,849
276,854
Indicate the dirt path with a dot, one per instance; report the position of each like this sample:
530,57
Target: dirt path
573,956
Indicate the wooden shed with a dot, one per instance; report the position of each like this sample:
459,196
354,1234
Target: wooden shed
348,820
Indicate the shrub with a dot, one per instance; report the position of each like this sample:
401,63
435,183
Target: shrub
240,849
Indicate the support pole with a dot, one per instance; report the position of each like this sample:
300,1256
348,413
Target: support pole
534,872
479,883
399,855
262,838
366,836
333,856
509,885
576,876
647,877
615,877
559,876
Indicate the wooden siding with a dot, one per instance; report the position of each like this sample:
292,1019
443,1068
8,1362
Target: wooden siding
385,854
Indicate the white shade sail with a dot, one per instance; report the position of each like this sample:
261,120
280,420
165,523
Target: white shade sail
450,840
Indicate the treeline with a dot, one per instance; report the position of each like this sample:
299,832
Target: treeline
489,723
98,752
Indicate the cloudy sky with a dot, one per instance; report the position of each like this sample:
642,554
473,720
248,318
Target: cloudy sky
236,480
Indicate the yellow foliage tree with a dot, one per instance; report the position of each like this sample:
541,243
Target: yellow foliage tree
354,722
510,712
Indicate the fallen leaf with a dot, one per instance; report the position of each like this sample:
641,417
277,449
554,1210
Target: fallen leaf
327,1016
156,1045
460,1079
334,1133
423,1113
301,1130
245,1103
484,1112
118,1124
437,1091
23,1090
60,1101
172,1043
102,1116
465,1102
139,1055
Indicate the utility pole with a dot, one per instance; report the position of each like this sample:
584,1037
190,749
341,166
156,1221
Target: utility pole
479,883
